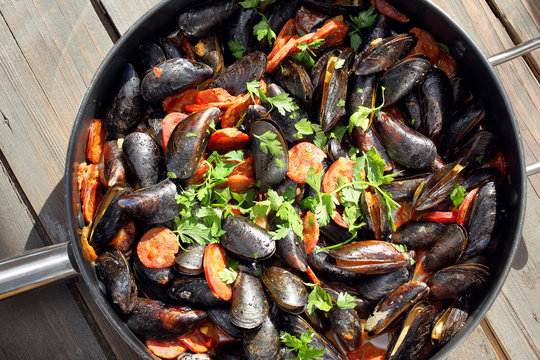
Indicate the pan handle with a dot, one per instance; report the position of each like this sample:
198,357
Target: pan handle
511,54
35,268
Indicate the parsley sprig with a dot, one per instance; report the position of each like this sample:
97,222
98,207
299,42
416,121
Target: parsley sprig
282,102
261,29
458,195
301,346
306,54
363,20
362,114
229,274
237,48
318,298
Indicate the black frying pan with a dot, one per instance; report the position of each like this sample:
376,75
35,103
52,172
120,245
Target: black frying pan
63,258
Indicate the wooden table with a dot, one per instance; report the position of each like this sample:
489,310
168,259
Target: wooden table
49,51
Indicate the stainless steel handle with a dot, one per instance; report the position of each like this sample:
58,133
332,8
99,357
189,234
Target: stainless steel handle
515,52
511,54
34,269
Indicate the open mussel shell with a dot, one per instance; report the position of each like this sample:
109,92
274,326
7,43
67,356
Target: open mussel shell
295,325
270,167
282,12
190,260
295,80
204,20
334,92
437,187
345,323
450,321
143,158
403,76
324,265
292,250
369,257
285,288
153,205
184,150
113,270
193,291
448,249
483,220
263,343
249,68
109,217
412,109
404,145
155,320
396,303
409,341
482,145
386,53
172,76
376,287
437,101
114,163
461,124
246,239
208,50
422,234
126,110
221,317
455,281
334,148
249,304
477,177
377,225
288,120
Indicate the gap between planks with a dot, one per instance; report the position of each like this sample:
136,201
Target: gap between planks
514,36
494,340
106,20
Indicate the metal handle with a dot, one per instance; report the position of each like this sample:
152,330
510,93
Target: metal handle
515,52
511,54
34,269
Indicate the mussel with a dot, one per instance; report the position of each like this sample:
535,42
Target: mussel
246,239
203,20
386,53
143,158
285,288
403,76
249,306
246,69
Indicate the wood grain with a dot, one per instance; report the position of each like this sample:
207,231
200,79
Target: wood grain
124,16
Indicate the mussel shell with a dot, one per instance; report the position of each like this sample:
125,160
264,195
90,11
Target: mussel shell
204,20
477,177
396,303
246,239
263,343
208,50
113,270
450,321
379,30
249,306
412,109
126,110
461,124
376,287
437,187
404,145
335,150
268,172
362,92
377,225
292,250
460,89
153,126
143,158
190,260
482,145
458,280
345,323
414,333
448,249
295,325
482,220
282,12
386,53
422,234
403,76
170,48
155,320
149,54
324,265
369,257
295,80
286,289
194,291
154,204
365,140
172,76
403,189
109,217
335,7
437,101
254,113
193,356
240,29
246,69
318,70
334,90
221,317
114,163
184,152
152,282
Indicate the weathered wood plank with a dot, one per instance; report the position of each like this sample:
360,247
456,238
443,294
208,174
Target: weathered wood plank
124,16
476,344
48,55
